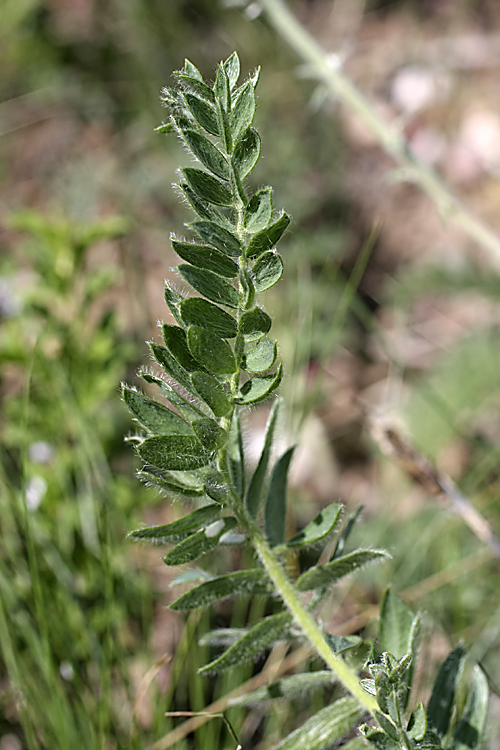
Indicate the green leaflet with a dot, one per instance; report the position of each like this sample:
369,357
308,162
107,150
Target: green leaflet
327,726
442,701
200,543
254,495
192,70
211,351
175,452
417,723
254,324
173,300
204,209
259,388
236,456
259,210
208,188
215,486
171,366
398,630
325,575
246,582
275,510
175,340
211,436
396,625
221,88
177,530
179,482
469,732
267,238
288,688
193,85
232,68
189,411
210,285
211,392
263,635
222,637
204,113
243,111
153,415
200,312
207,257
208,154
318,529
341,643
246,153
379,740
215,235
267,271
261,357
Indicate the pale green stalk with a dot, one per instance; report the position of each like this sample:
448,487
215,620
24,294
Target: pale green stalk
327,69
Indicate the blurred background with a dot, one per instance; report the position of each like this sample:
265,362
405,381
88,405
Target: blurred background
385,313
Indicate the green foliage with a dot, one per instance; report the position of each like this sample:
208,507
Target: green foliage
221,360
73,605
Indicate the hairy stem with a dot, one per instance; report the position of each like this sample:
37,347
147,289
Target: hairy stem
302,616
328,70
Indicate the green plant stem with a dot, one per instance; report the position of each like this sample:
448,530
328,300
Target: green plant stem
303,618
328,70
